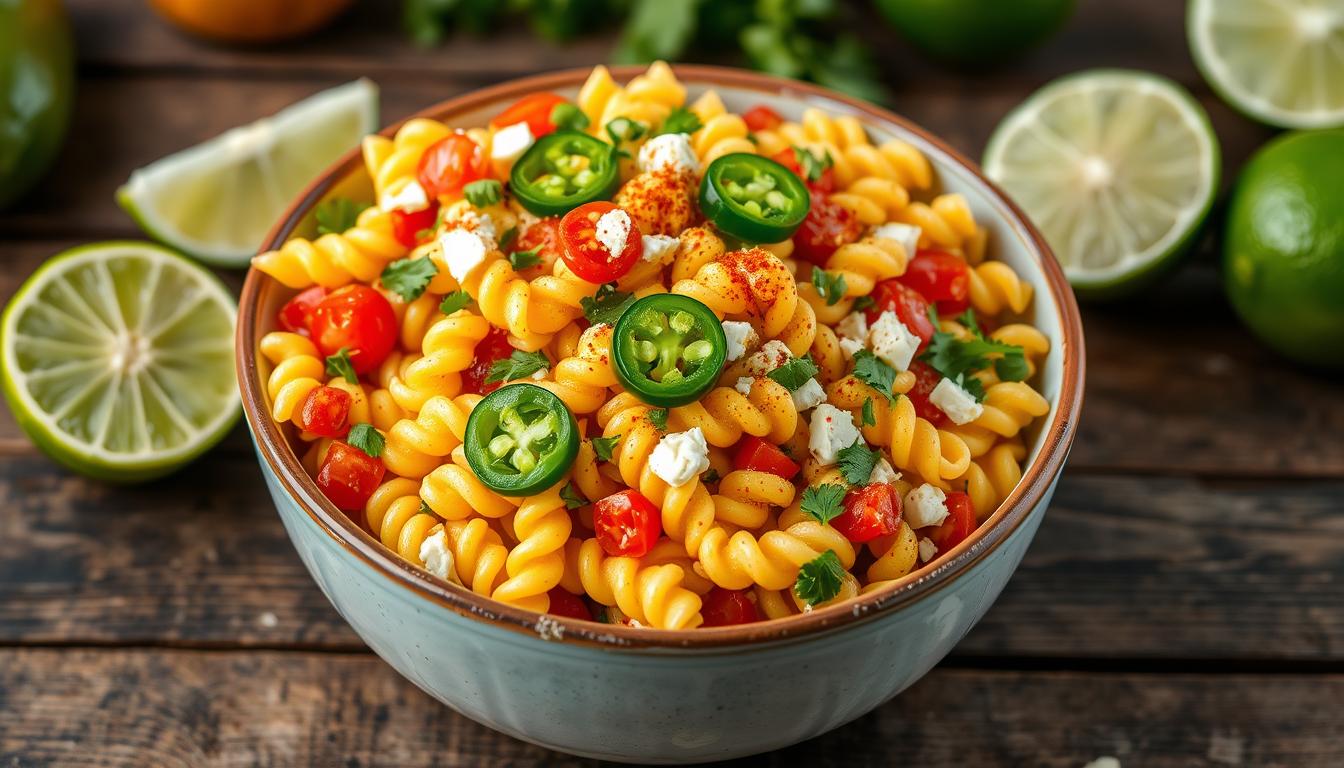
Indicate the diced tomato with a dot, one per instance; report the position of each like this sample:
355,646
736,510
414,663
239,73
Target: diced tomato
567,605
325,412
726,607
358,319
911,308
534,109
828,226
494,347
407,225
762,118
942,278
871,511
825,183
297,314
627,524
450,164
757,455
543,237
960,522
349,476
925,380
590,259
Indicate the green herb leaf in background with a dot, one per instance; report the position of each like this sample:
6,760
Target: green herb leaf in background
338,214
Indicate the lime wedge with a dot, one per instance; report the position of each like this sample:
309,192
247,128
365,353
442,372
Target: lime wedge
1117,168
217,200
118,360
1277,61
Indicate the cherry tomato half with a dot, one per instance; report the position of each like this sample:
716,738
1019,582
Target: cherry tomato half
349,476
910,306
762,118
297,314
358,319
789,159
534,109
325,412
590,259
871,511
960,522
493,348
407,225
627,524
925,380
828,226
757,455
942,278
450,164
570,606
543,237
726,607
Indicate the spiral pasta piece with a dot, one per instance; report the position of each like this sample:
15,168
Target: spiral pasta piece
1009,406
447,348
358,254
721,132
916,445
393,163
393,513
989,479
415,446
946,223
648,98
895,556
298,371
583,379
751,282
994,287
453,492
537,563
650,594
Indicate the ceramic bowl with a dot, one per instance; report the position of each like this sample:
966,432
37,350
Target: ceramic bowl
640,695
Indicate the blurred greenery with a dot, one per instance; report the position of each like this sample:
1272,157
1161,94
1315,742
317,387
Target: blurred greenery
802,39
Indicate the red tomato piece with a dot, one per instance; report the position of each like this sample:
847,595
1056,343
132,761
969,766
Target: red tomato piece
297,314
757,455
828,226
762,118
942,278
349,476
627,524
494,347
870,512
358,319
450,164
960,522
567,605
588,258
534,109
789,159
543,237
325,412
407,225
726,607
925,380
911,308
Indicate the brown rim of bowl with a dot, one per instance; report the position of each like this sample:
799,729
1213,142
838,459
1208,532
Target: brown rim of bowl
1036,479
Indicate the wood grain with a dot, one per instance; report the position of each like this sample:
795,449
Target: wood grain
1123,567
135,707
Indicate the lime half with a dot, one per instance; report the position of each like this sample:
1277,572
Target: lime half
118,360
1117,168
217,200
1278,61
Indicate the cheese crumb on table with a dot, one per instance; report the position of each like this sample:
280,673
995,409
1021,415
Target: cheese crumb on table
832,431
680,457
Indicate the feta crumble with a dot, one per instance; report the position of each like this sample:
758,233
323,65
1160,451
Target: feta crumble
680,457
849,346
893,342
507,145
768,358
808,395
854,326
670,150
740,336
613,229
743,385
660,248
437,558
463,252
832,431
410,198
883,472
906,234
925,505
953,399
927,550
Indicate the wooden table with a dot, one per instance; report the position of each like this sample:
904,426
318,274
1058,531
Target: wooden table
1183,603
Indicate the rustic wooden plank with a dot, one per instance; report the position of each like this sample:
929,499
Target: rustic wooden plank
1123,566
138,707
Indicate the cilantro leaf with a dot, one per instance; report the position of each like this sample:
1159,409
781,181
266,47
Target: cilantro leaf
863,302
957,358
408,278
425,509
811,165
857,462
830,287
607,306
603,446
658,416
681,120
483,193
525,259
824,502
622,129
972,385
571,496
517,365
869,415
795,373
710,475
1012,367
821,579
339,364
454,301
506,239
873,371
367,439
338,214
566,116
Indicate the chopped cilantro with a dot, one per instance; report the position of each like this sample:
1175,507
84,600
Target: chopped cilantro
710,475
525,259
830,286
506,239
566,116
517,365
607,305
863,302
857,462
338,214
367,439
483,193
869,414
681,120
873,371
425,509
658,417
811,165
408,278
571,496
454,301
339,364
603,446
957,359
824,502
795,373
821,579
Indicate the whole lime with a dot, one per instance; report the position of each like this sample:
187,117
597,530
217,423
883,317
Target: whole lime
1283,257
37,73
976,31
